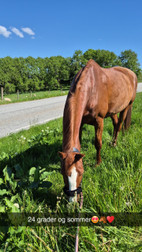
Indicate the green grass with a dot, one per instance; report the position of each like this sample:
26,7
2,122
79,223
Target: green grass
33,96
29,158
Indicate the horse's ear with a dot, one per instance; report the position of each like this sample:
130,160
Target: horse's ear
79,156
62,154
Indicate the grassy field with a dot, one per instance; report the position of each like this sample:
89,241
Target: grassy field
32,96
31,182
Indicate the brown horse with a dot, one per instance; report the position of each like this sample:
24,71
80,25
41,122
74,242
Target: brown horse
95,93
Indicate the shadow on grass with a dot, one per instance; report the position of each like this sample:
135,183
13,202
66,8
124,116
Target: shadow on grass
43,157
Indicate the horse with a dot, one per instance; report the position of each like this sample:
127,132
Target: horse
95,93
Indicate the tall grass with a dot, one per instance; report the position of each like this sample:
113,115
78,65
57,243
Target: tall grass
31,178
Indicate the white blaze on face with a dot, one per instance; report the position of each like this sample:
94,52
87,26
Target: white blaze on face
72,183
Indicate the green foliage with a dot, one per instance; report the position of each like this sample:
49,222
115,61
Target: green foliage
103,57
9,88
33,84
30,74
129,59
77,62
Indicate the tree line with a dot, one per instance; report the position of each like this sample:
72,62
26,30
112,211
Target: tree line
35,74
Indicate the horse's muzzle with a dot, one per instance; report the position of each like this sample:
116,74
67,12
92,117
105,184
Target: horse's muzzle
74,194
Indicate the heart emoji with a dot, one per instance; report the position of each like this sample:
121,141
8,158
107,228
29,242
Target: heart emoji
110,219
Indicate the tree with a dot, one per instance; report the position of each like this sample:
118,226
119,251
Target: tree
9,88
3,77
11,70
77,62
129,59
58,71
15,75
41,64
34,84
21,69
52,70
6,69
25,74
103,57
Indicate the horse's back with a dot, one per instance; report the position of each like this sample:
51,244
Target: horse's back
121,86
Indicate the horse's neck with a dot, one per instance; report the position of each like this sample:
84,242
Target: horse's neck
75,106
71,126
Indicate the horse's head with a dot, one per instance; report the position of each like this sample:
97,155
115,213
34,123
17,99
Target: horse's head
72,171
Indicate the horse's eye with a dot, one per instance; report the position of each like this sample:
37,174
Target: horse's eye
77,158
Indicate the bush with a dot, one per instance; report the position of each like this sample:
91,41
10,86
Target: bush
33,84
9,88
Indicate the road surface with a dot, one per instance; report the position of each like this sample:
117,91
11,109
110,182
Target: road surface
17,116
139,89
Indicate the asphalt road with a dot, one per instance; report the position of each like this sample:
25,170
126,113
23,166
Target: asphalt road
139,89
17,116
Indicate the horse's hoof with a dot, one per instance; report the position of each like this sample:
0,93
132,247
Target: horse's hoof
97,164
112,144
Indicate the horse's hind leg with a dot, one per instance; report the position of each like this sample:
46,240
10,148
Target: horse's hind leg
115,123
121,119
98,137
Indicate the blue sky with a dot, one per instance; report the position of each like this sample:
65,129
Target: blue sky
61,27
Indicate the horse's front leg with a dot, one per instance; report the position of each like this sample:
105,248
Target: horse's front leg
98,137
80,133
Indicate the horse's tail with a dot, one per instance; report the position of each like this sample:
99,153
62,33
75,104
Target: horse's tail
127,120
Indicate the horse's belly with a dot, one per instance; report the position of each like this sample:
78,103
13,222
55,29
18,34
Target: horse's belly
120,92
119,103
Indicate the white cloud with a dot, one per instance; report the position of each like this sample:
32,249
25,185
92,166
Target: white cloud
17,32
28,31
4,32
